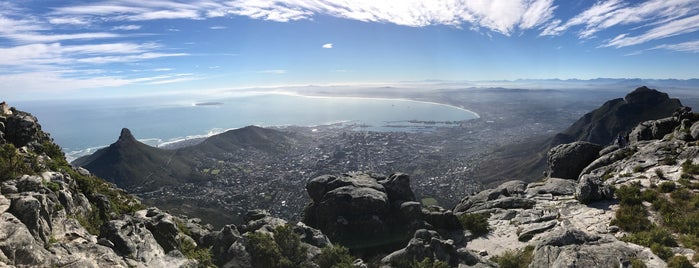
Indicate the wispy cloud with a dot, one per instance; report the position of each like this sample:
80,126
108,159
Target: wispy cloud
328,45
130,27
691,46
665,18
676,27
275,71
218,27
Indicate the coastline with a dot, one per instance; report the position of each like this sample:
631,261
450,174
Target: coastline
296,94
184,141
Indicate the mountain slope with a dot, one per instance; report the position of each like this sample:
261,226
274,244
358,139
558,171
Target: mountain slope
619,116
131,164
135,166
527,161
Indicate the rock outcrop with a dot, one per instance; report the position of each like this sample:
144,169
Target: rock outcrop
616,116
566,161
361,208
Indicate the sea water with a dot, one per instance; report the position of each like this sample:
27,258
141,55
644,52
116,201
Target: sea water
82,126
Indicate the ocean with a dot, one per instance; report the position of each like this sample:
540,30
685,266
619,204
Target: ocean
82,126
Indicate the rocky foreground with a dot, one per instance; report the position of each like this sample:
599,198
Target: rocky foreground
631,206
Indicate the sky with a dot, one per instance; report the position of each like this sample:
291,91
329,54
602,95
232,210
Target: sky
63,48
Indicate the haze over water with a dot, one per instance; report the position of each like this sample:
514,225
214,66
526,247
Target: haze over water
82,126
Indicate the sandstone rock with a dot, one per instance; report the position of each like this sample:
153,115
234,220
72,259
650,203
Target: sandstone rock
163,228
574,248
566,161
131,238
694,130
529,231
554,186
511,188
591,188
18,245
653,129
359,206
227,247
34,214
311,235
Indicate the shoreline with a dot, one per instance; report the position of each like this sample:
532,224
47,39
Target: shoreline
296,94
175,143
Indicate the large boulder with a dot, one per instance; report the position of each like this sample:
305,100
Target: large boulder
32,211
360,208
131,238
18,246
575,248
429,244
508,195
653,129
592,188
566,161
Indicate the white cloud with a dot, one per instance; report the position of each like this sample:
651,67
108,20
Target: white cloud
666,16
502,16
690,46
328,45
673,28
276,71
218,27
55,81
69,20
130,27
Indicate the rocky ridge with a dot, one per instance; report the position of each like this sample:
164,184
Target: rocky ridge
54,215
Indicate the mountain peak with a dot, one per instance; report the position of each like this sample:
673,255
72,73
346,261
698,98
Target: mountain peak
126,135
646,96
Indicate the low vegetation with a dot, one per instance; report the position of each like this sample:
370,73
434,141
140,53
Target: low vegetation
425,263
477,223
515,258
12,164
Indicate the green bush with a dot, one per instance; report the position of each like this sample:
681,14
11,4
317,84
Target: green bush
11,163
636,263
638,168
679,262
53,186
667,186
477,223
425,263
334,257
681,195
655,235
284,250
631,216
670,161
190,250
515,258
649,195
689,168
662,251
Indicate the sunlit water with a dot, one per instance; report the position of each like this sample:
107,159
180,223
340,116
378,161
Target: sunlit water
81,127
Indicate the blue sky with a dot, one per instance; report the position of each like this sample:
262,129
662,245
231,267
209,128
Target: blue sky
128,47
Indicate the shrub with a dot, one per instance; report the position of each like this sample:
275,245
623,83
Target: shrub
53,186
636,263
334,257
679,262
425,263
666,186
515,258
681,195
638,168
190,250
11,163
631,216
477,223
689,168
264,253
662,251
659,173
649,195
655,235
670,161
282,250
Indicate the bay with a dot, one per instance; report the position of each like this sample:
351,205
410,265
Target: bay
82,126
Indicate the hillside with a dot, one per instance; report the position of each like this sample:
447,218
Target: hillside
601,126
138,167
131,164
